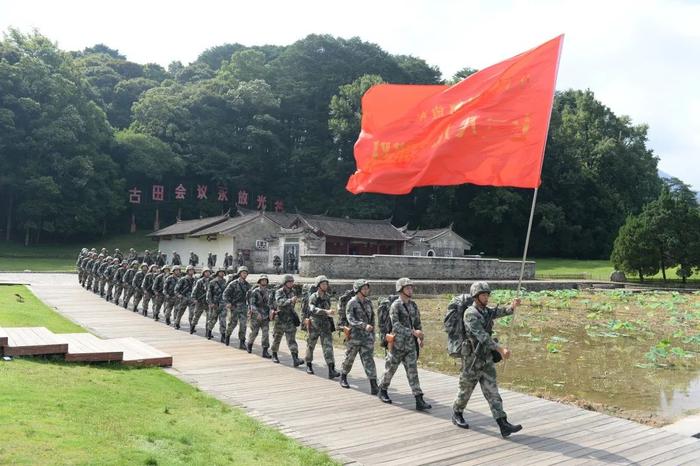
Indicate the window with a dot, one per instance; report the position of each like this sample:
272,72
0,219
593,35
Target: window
261,244
416,253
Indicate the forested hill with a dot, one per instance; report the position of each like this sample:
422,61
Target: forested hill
79,129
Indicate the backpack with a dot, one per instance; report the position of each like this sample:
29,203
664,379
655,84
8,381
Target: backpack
453,324
385,318
305,308
342,307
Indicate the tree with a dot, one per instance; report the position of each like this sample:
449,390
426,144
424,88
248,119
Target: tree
633,250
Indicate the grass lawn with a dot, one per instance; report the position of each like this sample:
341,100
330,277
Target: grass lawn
52,412
572,268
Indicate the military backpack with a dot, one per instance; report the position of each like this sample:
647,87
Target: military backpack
385,318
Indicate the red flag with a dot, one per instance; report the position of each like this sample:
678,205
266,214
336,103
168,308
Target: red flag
489,129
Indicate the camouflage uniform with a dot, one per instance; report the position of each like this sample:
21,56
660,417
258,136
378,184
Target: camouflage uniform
321,326
169,296
217,309
199,296
405,318
106,262
478,366
78,263
147,288
259,316
117,281
157,289
360,314
127,279
237,309
183,290
88,271
137,286
284,321
83,270
109,276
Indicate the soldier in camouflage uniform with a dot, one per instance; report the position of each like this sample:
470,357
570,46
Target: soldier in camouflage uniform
88,268
148,258
82,267
199,297
477,358
217,309
117,280
286,321
97,273
147,287
127,279
259,316
157,289
407,331
321,326
360,317
137,285
169,296
118,254
106,264
236,306
78,262
131,256
109,276
176,259
183,291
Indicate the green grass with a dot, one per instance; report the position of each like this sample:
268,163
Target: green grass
571,268
30,312
36,264
53,412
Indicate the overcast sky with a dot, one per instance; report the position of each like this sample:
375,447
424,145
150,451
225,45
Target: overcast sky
641,58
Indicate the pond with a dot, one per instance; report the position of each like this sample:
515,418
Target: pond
634,355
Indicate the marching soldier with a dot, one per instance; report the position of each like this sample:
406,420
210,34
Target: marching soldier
194,259
477,358
161,259
102,280
176,259
137,285
408,336
183,291
148,258
260,316
109,276
169,292
147,286
217,311
199,296
321,326
360,317
157,288
286,321
236,306
88,268
118,282
78,262
131,256
127,279
118,254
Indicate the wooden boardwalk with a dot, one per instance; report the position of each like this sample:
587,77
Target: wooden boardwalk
355,427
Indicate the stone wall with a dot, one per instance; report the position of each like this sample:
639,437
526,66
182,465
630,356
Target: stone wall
438,268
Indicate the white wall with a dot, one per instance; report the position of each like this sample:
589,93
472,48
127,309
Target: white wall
200,246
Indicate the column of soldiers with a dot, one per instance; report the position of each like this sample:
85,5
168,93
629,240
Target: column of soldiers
227,298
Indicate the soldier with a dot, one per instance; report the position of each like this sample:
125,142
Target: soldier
82,269
183,291
236,306
131,256
147,286
161,259
88,269
321,325
211,261
157,289
118,254
102,271
408,336
79,260
169,292
260,316
148,258
217,311
117,281
360,317
226,259
277,264
109,275
286,321
240,259
199,296
194,259
176,259
230,275
477,358
127,279
137,285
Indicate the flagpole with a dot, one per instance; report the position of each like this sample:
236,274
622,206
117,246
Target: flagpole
527,241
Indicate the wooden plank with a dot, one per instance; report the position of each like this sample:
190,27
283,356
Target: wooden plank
3,338
32,341
86,347
138,353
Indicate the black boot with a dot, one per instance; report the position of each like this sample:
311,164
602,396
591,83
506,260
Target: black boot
209,335
265,354
458,420
344,381
191,329
507,428
223,338
373,387
228,341
167,320
384,396
177,326
309,368
421,405
241,344
249,349
332,373
296,361
145,312
275,359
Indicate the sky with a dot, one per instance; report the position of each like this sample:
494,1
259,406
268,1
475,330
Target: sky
640,58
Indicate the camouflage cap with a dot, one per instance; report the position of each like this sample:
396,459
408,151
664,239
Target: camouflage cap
320,279
153,267
165,267
242,268
144,266
134,263
176,268
115,260
124,262
263,277
220,269
206,269
288,278
190,267
357,286
479,287
401,282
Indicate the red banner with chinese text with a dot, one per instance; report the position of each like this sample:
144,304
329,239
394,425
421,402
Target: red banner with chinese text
489,129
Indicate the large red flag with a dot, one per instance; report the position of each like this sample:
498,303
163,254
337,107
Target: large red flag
489,129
